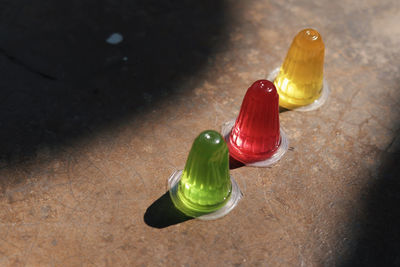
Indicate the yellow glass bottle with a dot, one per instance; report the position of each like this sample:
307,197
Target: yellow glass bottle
300,79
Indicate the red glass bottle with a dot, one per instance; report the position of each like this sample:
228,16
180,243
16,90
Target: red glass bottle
255,135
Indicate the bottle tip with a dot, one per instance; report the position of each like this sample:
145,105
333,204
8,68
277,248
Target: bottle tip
262,87
210,137
309,37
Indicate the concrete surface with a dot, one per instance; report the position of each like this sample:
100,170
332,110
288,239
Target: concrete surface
91,131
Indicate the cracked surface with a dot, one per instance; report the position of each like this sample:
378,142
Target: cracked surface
81,201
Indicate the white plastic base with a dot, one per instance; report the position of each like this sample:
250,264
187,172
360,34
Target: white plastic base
283,146
313,106
236,195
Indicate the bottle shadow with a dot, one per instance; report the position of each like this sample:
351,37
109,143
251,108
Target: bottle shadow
234,163
162,213
282,109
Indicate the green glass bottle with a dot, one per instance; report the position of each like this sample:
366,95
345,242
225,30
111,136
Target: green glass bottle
205,184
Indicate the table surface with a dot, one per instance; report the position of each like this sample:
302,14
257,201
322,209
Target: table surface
91,131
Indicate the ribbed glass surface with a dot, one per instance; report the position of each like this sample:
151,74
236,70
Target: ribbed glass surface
299,81
255,135
205,185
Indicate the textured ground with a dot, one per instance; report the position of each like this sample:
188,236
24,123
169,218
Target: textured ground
90,132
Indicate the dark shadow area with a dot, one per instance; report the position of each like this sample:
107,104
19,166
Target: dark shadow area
61,80
377,230
281,109
162,213
234,163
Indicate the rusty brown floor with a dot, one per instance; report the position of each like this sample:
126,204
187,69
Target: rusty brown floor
90,132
